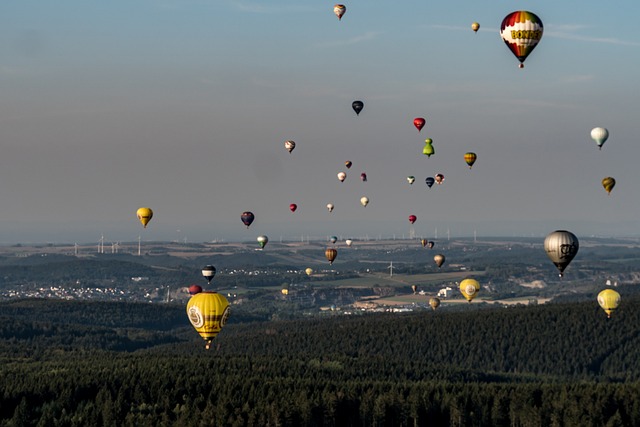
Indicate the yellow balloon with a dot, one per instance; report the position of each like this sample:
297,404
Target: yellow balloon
309,271
144,215
285,291
609,301
469,288
434,302
608,183
208,313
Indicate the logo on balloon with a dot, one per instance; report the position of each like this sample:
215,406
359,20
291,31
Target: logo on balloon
196,319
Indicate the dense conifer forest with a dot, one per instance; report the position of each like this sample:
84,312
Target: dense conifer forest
70,363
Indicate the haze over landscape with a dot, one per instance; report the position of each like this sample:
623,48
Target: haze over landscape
183,106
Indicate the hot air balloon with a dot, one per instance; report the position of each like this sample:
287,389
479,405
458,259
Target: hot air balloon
339,10
333,239
609,301
561,246
262,241
284,291
608,183
349,242
363,177
195,289
331,254
411,179
208,272
424,242
430,244
247,218
144,215
364,201
521,32
475,27
357,106
293,207
419,122
430,181
469,288
599,135
208,313
428,149
330,207
309,271
289,145
414,288
470,158
342,176
434,302
412,218
439,178
439,260
348,164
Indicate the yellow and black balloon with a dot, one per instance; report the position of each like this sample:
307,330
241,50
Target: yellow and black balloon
208,313
144,215
469,289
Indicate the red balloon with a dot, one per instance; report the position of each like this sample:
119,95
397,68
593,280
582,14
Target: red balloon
412,218
419,122
293,207
194,289
363,176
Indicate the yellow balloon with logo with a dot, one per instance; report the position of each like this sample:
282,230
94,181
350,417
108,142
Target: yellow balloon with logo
208,313
609,300
469,288
144,215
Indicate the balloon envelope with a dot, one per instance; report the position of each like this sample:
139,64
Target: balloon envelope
144,215
357,106
430,181
561,247
209,272
439,260
331,254
469,288
475,27
333,239
195,289
600,136
411,179
434,302
330,207
339,10
262,241
348,164
293,207
342,176
412,218
609,300
208,313
289,145
428,149
247,218
309,271
521,31
608,183
363,177
439,178
470,158
364,201
349,242
419,122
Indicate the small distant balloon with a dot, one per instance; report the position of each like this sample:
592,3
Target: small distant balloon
424,242
363,177
293,207
364,201
348,164
357,106
600,136
144,216
412,218
411,179
434,302
342,176
330,207
470,158
349,242
609,300
195,289
309,271
439,178
247,218
561,247
475,27
430,244
262,241
419,122
430,181
208,272
608,183
331,255
289,145
439,260
339,10
469,288
428,149
333,239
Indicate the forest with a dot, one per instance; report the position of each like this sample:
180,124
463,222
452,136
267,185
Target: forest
78,363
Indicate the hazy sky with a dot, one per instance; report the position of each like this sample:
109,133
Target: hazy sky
184,106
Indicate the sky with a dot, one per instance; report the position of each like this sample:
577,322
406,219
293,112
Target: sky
184,106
